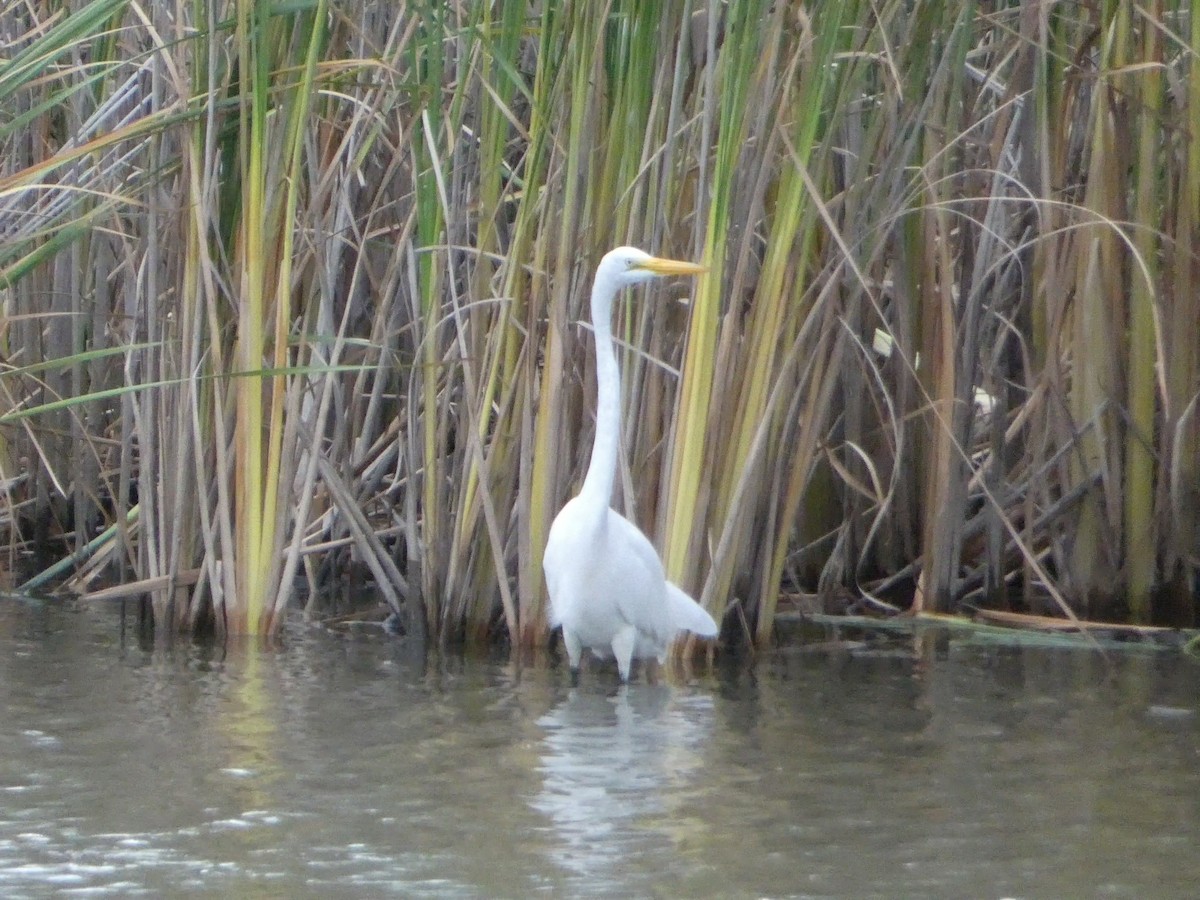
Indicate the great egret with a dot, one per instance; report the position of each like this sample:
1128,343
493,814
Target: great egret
606,581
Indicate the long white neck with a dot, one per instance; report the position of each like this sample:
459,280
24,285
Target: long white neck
598,485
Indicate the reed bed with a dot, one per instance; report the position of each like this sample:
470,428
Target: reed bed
292,291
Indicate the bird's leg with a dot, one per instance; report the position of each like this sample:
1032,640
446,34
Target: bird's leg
622,647
574,653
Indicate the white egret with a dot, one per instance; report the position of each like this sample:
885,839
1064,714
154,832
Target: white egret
607,587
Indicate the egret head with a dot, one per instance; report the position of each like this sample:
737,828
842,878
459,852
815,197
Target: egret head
629,265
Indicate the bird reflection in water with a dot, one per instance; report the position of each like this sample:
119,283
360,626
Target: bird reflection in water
619,777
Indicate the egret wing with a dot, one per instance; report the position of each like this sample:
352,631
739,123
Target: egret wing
637,579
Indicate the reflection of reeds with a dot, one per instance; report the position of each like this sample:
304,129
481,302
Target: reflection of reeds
288,288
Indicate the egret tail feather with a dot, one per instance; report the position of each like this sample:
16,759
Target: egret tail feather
687,614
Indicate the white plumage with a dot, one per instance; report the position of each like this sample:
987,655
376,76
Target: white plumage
606,582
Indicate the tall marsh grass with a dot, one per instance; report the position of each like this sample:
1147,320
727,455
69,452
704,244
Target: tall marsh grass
296,290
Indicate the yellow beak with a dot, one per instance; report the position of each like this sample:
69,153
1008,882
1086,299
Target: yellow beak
661,266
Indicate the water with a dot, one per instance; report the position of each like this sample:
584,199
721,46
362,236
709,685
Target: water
349,766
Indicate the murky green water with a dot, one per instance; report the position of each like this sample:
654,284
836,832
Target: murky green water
350,767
